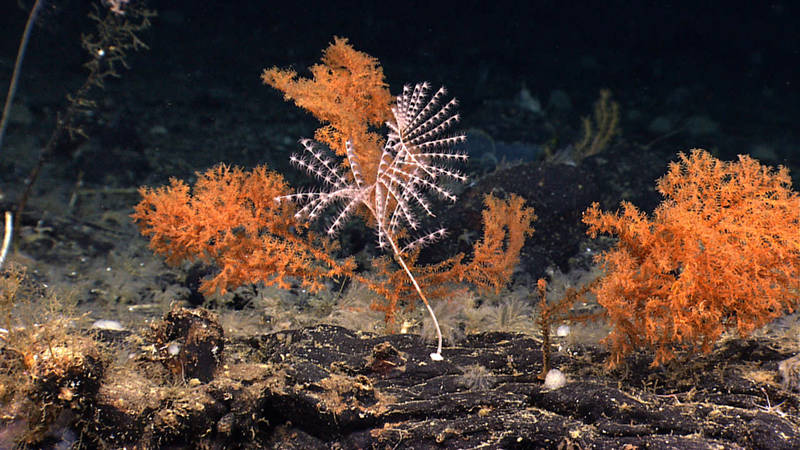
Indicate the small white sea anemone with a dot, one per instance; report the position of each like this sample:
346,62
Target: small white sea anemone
476,377
554,379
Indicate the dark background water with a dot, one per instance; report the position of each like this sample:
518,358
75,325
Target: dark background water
734,63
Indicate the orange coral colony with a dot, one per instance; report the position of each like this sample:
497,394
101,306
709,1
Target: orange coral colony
248,224
721,252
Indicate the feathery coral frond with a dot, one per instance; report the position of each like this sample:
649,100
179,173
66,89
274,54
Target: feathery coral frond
405,172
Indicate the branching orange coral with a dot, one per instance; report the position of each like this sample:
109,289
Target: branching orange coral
506,225
387,182
230,218
247,225
721,252
348,94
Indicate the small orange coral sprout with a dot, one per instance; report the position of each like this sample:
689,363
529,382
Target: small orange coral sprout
506,225
722,251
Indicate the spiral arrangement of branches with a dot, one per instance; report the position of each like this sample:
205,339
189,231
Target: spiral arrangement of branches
415,162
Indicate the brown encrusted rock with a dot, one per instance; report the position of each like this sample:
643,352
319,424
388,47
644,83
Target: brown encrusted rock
124,405
65,376
189,342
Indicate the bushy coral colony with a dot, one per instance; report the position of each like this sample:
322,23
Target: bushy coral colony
721,252
249,225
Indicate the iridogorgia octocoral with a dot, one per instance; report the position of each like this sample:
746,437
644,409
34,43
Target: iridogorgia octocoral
412,164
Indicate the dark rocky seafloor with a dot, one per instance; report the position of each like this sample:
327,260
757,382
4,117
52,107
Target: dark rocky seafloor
327,387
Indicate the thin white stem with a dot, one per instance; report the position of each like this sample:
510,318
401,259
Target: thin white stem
7,238
434,356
